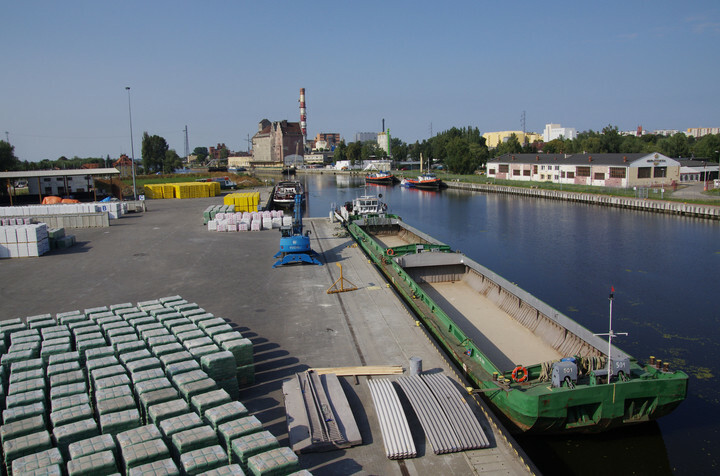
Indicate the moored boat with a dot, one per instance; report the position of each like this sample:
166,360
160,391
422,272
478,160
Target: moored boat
364,205
285,191
543,371
426,181
380,178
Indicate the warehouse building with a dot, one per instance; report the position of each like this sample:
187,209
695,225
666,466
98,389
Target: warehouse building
605,170
61,183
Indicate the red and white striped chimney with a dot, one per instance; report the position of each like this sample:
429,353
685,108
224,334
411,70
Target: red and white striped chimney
303,115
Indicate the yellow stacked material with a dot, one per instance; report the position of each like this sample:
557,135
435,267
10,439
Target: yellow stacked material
168,191
183,190
153,191
244,202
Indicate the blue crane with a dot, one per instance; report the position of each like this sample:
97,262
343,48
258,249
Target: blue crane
294,246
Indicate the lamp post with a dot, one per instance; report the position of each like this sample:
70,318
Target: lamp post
132,146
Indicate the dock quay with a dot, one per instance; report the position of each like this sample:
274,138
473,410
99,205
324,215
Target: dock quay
293,323
658,206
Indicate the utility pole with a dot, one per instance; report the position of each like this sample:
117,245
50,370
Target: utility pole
187,146
132,146
249,143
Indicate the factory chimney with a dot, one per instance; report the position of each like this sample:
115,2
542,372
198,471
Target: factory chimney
303,115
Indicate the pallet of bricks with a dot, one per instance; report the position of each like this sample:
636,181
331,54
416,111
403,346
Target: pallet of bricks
248,221
22,241
182,190
150,388
243,201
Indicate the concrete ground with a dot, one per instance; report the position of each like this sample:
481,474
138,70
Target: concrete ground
694,191
293,323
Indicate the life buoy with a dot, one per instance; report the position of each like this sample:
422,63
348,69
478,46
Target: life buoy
390,252
524,376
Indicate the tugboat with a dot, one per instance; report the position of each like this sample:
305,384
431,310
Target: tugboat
426,181
380,178
285,191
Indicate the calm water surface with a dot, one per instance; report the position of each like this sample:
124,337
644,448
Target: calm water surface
665,271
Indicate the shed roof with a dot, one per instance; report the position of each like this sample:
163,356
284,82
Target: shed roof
57,173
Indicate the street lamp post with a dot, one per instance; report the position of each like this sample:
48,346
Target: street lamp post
132,146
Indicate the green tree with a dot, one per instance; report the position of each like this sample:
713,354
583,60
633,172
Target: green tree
707,147
675,146
610,140
631,145
459,160
353,152
172,161
340,151
154,149
201,153
511,146
8,161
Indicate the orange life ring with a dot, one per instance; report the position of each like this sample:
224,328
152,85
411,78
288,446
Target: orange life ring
390,252
524,371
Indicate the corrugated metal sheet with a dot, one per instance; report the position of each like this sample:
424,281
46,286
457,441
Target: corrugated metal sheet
394,427
446,418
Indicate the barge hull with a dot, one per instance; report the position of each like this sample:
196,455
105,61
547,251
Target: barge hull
535,406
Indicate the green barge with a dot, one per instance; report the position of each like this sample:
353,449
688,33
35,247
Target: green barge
539,368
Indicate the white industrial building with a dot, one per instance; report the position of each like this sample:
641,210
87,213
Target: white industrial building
555,131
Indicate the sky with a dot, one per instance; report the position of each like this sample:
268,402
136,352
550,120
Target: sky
220,67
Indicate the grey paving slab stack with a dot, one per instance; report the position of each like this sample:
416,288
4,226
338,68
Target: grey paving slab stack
36,461
25,445
165,467
274,462
92,445
144,452
186,421
193,439
95,464
65,435
117,422
237,428
202,460
22,427
224,413
96,377
250,445
227,470
203,402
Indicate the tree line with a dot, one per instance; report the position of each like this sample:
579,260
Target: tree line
460,150
464,150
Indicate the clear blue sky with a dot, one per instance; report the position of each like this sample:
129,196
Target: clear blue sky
219,67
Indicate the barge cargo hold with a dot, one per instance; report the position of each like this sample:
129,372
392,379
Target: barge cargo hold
539,368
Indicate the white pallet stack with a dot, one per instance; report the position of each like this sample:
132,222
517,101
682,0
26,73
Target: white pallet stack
22,241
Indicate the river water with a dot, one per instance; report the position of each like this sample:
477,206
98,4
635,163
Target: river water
665,273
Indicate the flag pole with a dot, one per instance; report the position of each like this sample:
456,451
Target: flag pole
610,335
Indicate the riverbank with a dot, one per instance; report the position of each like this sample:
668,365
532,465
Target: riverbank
690,193
650,205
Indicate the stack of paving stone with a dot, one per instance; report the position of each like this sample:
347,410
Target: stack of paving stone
139,389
